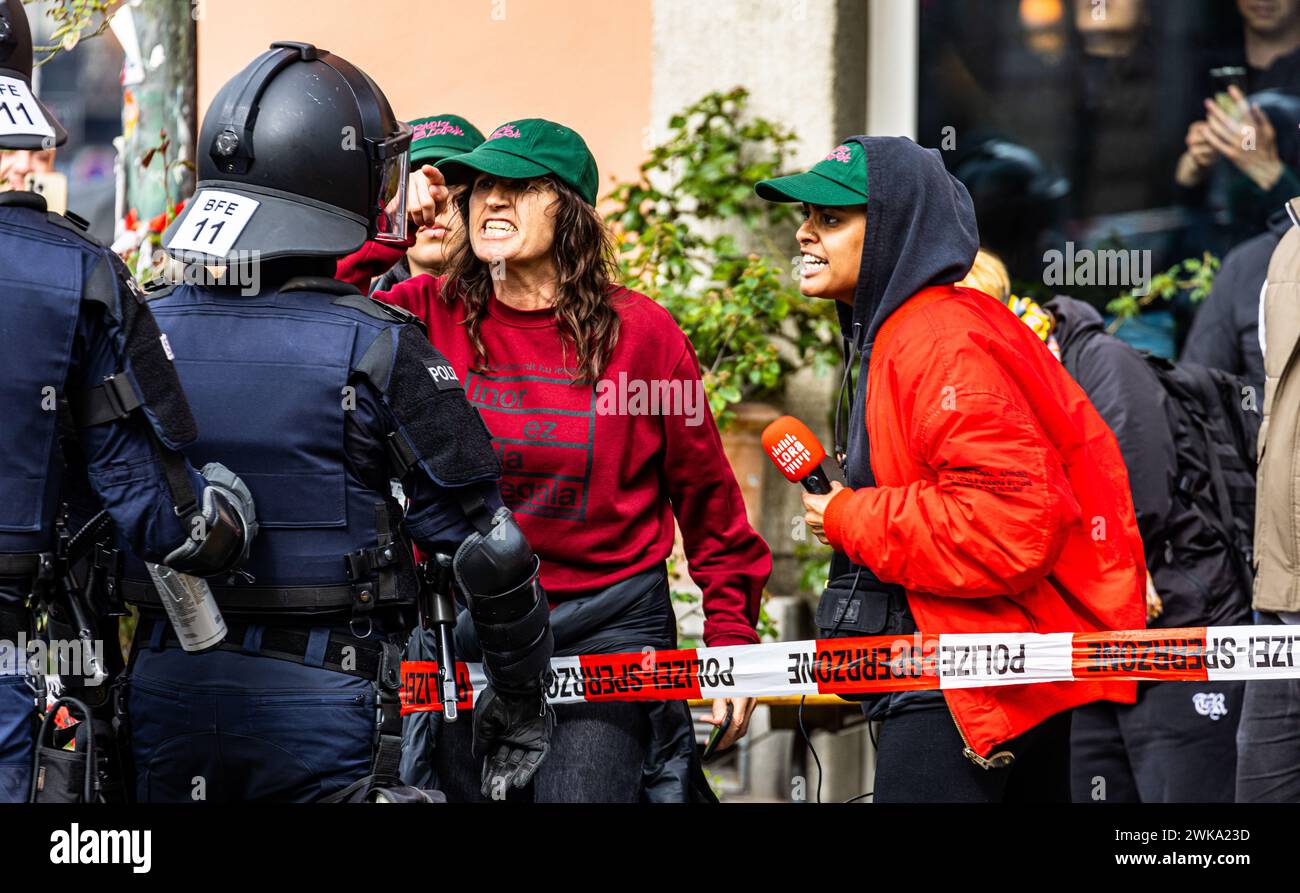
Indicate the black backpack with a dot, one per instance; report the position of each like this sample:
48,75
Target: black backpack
1202,565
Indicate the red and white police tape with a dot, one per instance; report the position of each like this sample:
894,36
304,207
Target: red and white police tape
892,663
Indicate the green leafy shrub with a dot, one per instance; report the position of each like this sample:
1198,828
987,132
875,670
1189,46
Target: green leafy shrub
1195,275
74,21
679,228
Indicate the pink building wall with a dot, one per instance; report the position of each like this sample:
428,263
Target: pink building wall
584,63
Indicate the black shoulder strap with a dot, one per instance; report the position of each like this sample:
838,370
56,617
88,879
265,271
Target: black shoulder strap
349,296
74,224
327,284
81,222
114,399
158,288
380,310
178,478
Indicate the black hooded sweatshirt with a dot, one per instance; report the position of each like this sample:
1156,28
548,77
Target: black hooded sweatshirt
921,232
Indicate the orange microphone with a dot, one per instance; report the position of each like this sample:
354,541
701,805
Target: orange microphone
797,452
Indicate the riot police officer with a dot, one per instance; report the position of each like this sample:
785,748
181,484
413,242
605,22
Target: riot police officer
80,350
322,397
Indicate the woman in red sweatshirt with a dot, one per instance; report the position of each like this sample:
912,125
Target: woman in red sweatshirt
593,397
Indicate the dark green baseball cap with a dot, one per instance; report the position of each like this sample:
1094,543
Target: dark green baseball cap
530,148
441,136
837,180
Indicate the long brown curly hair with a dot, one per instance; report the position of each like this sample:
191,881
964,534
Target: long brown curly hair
583,252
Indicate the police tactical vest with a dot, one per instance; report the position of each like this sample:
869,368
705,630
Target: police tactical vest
268,379
41,269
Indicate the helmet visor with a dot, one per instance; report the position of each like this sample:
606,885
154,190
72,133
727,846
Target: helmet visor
389,213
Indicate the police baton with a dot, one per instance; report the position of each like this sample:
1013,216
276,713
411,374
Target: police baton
70,549
438,614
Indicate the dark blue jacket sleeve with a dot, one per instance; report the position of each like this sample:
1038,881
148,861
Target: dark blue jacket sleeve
434,517
122,462
435,520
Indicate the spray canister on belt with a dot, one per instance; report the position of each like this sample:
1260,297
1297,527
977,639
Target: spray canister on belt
191,607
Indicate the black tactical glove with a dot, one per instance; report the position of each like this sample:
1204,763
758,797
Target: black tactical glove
222,533
512,733
224,479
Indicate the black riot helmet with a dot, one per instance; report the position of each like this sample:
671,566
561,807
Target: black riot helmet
299,155
25,122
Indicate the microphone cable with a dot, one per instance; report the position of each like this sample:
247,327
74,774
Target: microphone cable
807,739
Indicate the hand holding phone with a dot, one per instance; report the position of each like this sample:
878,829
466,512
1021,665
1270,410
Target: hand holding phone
1223,79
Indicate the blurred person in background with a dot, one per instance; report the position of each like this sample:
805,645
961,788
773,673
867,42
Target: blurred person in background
92,198
1272,43
1252,184
1127,111
1112,29
16,165
1018,202
1272,56
1246,151
433,139
1225,330
1177,744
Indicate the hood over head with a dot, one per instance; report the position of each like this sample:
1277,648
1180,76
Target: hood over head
921,231
1074,320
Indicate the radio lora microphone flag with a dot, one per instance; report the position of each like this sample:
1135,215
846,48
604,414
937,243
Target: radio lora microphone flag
797,452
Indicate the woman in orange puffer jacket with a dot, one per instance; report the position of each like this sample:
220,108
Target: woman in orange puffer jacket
985,493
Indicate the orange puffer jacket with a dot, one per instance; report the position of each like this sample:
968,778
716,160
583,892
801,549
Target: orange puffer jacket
1002,502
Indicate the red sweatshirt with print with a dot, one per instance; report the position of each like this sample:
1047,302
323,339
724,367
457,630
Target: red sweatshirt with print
596,474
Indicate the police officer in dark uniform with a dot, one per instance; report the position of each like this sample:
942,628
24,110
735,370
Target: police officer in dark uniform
80,351
322,397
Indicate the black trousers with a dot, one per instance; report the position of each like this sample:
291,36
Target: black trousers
601,750
920,760
597,754
1177,744
1268,742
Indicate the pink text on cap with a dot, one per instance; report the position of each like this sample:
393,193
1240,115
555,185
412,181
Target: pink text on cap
842,154
505,130
435,128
